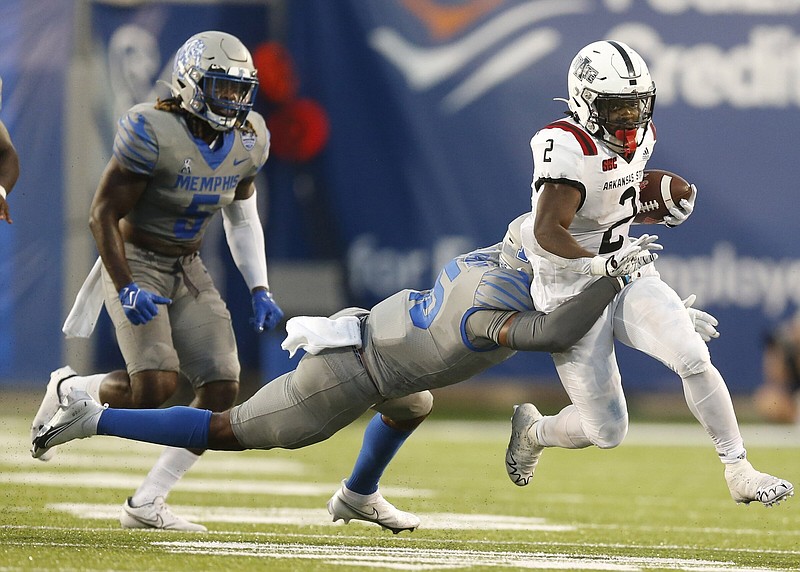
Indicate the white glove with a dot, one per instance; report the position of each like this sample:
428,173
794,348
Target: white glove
704,323
628,260
680,212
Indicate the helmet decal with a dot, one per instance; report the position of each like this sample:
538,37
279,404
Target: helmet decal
583,70
189,55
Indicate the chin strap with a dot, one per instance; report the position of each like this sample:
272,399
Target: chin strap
628,138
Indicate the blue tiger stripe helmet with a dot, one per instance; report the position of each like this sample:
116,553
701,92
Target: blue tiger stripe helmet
215,79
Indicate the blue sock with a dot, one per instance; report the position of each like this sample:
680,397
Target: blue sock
174,426
380,445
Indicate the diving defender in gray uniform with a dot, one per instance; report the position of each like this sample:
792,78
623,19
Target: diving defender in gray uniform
477,315
176,163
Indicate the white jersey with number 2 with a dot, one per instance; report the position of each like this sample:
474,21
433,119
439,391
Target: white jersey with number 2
563,152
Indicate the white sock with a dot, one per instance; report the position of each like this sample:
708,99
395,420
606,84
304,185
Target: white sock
170,467
710,402
562,430
89,383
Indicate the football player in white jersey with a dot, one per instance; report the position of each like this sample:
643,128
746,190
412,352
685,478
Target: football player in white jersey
587,170
176,163
9,166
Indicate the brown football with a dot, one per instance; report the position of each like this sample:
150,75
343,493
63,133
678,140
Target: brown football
658,191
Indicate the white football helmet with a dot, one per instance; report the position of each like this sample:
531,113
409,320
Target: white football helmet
612,94
215,79
512,255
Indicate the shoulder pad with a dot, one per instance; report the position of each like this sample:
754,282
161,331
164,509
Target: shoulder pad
504,289
583,138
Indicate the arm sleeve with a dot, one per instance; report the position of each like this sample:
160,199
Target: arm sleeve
563,327
245,237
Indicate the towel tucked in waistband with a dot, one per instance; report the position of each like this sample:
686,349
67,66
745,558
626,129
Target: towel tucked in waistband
316,333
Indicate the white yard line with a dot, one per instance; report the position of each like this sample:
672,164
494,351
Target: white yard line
540,555
436,559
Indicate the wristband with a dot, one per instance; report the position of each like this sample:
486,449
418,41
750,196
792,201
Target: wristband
3,193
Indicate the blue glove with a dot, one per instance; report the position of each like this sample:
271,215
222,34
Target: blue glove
266,313
140,305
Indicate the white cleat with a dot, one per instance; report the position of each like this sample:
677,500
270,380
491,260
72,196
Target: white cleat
346,505
747,485
49,407
75,419
155,515
523,452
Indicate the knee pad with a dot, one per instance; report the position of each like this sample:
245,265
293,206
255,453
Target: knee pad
692,357
610,436
411,406
608,432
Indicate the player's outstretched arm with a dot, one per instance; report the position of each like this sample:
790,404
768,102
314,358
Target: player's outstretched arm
563,327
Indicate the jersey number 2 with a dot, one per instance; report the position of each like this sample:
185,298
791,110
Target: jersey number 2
609,243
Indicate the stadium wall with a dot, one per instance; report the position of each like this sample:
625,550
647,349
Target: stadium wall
413,147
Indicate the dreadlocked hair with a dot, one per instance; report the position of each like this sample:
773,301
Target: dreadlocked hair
170,104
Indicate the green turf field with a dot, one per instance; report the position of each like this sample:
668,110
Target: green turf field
637,507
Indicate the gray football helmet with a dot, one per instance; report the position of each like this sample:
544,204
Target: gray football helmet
215,79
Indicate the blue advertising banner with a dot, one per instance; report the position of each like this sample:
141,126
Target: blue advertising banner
432,105
33,64
400,137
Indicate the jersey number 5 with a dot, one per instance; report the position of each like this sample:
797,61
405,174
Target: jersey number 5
195,214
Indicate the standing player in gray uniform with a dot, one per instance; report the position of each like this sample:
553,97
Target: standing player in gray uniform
477,315
9,166
175,164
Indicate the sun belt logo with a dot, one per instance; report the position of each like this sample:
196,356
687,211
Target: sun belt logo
427,67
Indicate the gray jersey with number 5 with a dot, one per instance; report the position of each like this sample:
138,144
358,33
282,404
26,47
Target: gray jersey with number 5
423,340
189,182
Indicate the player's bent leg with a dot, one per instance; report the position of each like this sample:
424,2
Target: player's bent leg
524,450
48,408
591,377
385,434
747,484
358,498
347,505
